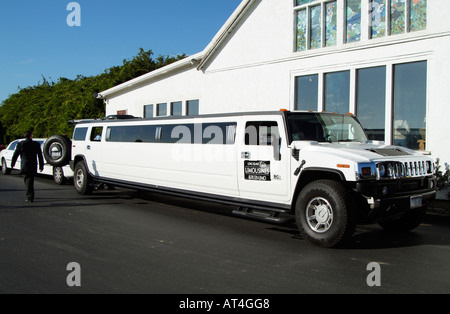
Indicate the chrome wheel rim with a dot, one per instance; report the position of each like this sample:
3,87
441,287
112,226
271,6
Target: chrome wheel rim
319,215
58,174
79,178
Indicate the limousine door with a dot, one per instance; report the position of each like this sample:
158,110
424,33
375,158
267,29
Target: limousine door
94,150
263,162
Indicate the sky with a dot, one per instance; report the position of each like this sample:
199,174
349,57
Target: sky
36,40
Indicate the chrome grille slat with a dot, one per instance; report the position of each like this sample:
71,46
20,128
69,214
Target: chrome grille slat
408,169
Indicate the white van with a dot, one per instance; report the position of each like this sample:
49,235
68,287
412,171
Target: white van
318,167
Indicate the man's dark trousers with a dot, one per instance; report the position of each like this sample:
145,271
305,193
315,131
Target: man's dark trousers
29,185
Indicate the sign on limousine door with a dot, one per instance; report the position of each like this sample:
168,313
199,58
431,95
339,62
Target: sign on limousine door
263,162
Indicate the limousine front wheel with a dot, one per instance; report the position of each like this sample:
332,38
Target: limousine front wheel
324,214
82,179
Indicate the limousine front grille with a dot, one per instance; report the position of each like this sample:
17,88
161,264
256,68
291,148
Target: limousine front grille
409,169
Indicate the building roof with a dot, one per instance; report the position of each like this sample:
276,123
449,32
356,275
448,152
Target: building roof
200,59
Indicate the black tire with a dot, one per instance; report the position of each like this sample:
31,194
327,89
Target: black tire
58,176
58,150
324,213
408,222
82,180
5,170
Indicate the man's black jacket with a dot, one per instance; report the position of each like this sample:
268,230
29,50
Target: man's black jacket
29,152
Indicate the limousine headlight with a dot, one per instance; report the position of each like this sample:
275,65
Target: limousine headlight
387,170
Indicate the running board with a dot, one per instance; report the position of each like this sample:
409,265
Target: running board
260,215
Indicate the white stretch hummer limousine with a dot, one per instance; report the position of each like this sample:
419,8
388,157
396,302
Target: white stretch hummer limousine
318,167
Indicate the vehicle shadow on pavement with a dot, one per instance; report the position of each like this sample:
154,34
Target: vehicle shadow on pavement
366,237
374,237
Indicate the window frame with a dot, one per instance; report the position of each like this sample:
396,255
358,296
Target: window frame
323,25
388,19
389,63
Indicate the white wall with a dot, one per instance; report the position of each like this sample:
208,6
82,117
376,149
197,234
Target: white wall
255,68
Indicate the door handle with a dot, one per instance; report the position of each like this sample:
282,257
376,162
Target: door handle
88,147
245,155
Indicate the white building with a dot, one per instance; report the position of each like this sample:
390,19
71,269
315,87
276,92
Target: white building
384,60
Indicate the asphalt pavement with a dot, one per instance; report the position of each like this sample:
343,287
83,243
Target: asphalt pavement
123,241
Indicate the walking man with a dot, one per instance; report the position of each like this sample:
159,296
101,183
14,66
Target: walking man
30,152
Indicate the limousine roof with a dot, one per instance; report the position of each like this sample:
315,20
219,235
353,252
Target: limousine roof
206,116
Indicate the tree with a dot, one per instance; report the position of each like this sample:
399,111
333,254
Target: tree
46,107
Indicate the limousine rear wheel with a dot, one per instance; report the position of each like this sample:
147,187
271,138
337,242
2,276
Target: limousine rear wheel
82,179
58,175
324,214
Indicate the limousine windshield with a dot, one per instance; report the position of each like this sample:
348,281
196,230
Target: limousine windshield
325,127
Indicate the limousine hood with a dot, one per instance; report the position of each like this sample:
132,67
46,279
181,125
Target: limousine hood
356,152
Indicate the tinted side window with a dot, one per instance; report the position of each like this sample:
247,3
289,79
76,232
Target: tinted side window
219,133
207,133
262,133
96,134
132,133
80,134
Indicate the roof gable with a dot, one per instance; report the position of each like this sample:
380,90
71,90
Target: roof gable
198,59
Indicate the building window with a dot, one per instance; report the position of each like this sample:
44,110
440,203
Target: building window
307,92
378,18
331,24
148,111
176,109
417,15
302,2
398,21
403,16
193,107
316,24
371,101
315,30
410,101
337,92
353,20
161,109
400,89
301,30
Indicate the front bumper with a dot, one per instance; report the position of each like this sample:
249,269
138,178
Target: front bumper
389,199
